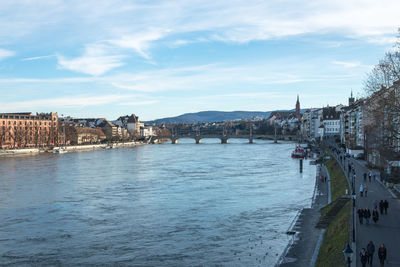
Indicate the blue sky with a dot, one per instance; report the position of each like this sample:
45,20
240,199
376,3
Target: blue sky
97,58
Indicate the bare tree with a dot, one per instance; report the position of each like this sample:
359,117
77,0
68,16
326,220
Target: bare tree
19,136
382,120
386,72
3,134
36,135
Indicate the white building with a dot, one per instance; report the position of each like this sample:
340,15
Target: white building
331,121
146,131
315,123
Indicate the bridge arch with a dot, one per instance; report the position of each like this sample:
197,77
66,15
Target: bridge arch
224,138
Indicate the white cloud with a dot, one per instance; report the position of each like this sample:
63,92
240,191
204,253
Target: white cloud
139,26
94,61
139,42
197,78
36,58
347,64
382,40
351,64
6,53
138,103
62,102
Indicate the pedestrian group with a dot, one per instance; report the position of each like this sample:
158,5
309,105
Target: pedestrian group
367,255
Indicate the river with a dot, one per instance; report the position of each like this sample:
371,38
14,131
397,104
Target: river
187,204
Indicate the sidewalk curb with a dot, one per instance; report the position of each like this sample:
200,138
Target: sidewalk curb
388,189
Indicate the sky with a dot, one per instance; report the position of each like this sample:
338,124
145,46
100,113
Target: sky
156,59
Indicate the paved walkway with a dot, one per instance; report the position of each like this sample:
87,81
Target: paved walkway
301,253
387,229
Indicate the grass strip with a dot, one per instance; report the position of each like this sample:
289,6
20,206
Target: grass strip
335,239
337,233
338,180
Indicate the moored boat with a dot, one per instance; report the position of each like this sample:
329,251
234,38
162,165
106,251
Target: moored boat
298,152
60,150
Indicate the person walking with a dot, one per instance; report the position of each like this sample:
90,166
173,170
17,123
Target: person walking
382,254
365,177
385,205
375,215
369,176
361,190
371,251
366,190
363,257
381,206
375,204
367,215
360,213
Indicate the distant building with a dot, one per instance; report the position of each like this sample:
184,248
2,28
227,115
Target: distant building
331,121
131,123
76,135
86,122
351,99
314,121
146,131
19,130
280,116
298,115
110,130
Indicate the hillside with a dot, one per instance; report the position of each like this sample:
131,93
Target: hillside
215,116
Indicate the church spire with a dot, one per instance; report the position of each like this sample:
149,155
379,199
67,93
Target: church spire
298,115
351,99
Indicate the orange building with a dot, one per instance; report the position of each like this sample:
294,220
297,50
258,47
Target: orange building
19,130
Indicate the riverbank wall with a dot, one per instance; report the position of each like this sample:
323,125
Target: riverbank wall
77,148
306,237
24,151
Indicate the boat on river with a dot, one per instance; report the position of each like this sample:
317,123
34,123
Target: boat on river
298,152
60,150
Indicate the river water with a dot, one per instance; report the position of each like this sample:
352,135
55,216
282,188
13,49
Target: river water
153,205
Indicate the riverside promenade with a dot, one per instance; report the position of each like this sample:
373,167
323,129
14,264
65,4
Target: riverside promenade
303,251
387,229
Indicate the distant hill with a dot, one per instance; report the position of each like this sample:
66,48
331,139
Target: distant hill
215,116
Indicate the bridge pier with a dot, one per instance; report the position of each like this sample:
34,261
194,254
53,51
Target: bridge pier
224,140
198,140
251,140
174,141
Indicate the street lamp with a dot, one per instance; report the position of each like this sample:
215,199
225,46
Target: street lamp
348,253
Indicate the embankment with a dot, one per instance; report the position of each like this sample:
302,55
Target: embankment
306,236
335,219
33,151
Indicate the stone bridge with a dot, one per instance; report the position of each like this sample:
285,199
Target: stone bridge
224,138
